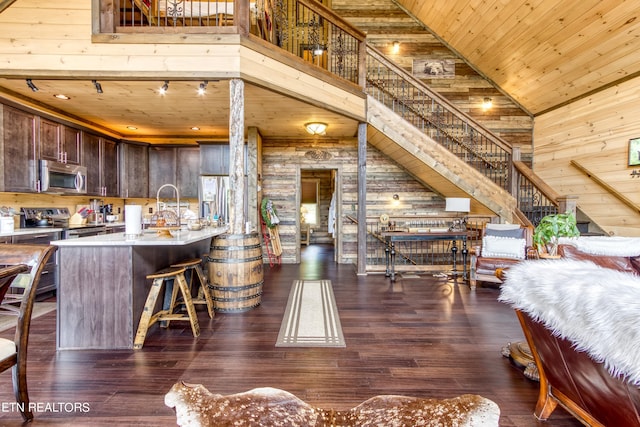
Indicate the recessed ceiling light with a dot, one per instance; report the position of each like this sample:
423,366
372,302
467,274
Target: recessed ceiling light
132,127
61,96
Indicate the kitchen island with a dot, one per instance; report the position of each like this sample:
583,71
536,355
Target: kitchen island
103,285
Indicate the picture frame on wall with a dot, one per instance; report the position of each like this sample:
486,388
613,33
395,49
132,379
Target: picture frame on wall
427,68
634,152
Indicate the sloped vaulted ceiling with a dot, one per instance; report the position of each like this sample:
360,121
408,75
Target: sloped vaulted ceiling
543,53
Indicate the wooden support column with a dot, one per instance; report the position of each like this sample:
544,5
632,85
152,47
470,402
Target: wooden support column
254,171
362,199
236,157
568,203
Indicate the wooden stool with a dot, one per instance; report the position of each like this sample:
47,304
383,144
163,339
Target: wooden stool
148,318
204,293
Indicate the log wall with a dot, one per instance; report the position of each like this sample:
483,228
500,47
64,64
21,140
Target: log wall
283,160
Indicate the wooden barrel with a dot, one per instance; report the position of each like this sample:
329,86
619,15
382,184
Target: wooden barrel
236,272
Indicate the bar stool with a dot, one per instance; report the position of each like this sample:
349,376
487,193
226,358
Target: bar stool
148,318
204,293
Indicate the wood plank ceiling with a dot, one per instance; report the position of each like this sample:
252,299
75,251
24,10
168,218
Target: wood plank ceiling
542,53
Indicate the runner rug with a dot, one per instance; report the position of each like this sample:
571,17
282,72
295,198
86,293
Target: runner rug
311,318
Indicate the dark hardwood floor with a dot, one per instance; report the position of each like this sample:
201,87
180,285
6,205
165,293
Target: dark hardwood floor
428,337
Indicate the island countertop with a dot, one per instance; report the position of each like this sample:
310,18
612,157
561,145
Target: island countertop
148,238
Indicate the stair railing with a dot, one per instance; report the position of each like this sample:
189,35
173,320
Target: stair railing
438,118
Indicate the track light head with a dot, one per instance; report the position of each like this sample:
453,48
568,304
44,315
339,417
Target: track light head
202,89
32,86
97,85
164,88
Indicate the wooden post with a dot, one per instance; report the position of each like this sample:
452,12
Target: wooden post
362,199
254,144
236,157
568,203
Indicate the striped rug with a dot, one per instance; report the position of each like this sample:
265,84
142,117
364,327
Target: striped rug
311,318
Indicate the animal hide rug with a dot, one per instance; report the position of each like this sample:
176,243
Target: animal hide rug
196,406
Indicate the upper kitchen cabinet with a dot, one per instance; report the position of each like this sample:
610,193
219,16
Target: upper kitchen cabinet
18,154
101,159
174,165
214,158
162,168
134,169
188,172
58,142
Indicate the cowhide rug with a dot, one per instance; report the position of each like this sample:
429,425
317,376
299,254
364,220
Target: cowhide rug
195,406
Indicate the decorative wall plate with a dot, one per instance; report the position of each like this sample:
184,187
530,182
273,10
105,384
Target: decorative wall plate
384,219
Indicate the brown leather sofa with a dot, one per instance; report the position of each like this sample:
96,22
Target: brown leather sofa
571,377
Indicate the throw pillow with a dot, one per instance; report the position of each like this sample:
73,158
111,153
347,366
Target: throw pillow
503,247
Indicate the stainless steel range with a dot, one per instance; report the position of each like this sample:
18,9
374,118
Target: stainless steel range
58,218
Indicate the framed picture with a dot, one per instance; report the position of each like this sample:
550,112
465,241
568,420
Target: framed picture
434,68
634,152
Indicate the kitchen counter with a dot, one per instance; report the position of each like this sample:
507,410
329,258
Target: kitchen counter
148,238
28,231
103,283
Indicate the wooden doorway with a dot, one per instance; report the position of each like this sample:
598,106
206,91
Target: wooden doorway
318,207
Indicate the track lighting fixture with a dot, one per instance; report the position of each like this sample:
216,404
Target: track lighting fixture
32,86
164,88
97,85
202,89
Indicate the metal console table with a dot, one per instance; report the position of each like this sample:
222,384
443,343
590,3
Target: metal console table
391,237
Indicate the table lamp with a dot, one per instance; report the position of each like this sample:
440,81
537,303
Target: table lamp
458,205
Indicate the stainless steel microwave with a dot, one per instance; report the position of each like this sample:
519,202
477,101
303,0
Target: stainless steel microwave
58,177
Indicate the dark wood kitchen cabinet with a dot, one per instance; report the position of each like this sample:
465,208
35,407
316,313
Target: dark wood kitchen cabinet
162,168
58,142
214,159
100,156
174,165
18,159
134,169
188,172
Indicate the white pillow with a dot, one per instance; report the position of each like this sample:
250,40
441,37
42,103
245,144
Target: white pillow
492,226
503,247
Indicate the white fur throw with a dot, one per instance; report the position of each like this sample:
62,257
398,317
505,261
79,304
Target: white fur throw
595,308
605,245
197,407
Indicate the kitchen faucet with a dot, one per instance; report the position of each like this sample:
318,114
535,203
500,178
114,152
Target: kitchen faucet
177,199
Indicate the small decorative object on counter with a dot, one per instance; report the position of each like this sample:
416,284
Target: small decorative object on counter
164,222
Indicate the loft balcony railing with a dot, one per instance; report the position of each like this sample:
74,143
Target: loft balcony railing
304,28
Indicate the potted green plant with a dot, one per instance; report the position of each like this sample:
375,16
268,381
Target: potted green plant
550,228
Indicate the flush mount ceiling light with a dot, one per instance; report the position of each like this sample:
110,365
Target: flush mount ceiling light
132,128
202,89
61,96
195,128
32,86
316,128
164,88
97,85
487,103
